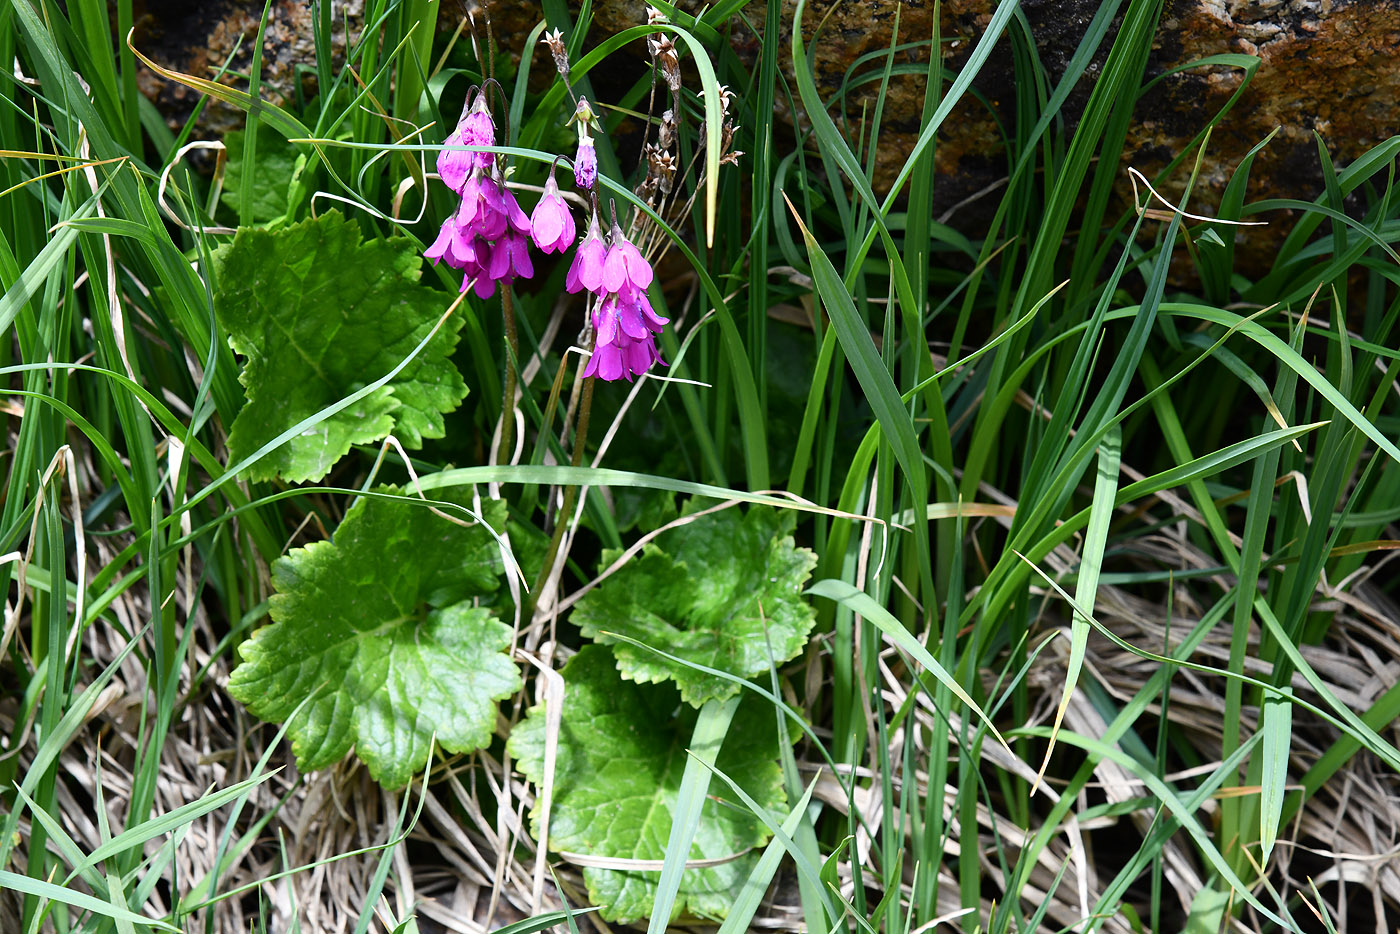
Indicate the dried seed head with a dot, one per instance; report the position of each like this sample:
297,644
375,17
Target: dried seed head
661,166
666,133
726,97
663,52
555,42
656,18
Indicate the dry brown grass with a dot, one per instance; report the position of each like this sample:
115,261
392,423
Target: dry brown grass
469,864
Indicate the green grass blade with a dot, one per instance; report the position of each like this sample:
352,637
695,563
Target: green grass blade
78,900
1278,732
1095,539
860,602
756,885
705,741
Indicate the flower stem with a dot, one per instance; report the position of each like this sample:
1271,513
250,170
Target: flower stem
508,403
571,491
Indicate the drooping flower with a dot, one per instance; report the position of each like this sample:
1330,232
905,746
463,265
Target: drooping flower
510,257
480,130
476,276
454,165
488,236
474,129
624,264
635,313
442,246
586,271
484,207
625,329
552,224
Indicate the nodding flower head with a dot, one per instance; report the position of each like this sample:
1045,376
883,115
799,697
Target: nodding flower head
454,165
510,257
474,129
489,209
552,224
625,345
451,246
624,264
479,130
586,272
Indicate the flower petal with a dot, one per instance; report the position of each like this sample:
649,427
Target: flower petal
614,270
629,318
609,362
520,258
605,323
443,242
547,225
638,269
591,257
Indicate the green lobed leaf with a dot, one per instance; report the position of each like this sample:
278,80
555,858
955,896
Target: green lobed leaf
275,165
621,753
380,625
723,591
318,314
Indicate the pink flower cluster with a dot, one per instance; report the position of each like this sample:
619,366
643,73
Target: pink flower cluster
623,319
488,235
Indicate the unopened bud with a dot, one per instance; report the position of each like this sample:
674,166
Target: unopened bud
584,117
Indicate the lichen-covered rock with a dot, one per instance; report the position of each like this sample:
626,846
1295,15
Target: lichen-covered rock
1329,66
199,38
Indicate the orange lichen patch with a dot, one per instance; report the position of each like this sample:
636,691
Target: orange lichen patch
1325,70
197,39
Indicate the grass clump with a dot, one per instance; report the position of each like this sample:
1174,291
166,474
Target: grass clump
781,555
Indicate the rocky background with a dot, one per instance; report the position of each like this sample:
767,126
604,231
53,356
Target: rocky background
1326,66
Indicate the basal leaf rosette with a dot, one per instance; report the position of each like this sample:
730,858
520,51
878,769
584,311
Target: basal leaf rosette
723,591
622,749
380,629
317,314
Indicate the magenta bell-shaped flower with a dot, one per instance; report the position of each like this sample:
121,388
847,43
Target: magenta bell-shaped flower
442,248
586,272
474,129
625,328
479,130
454,165
510,257
624,264
552,224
